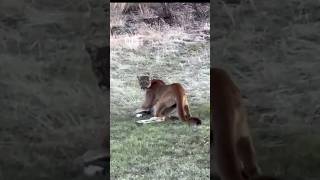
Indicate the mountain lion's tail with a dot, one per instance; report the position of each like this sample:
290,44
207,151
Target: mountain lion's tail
183,109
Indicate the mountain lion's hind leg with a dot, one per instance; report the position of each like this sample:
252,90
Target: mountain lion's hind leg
245,147
171,112
158,108
163,107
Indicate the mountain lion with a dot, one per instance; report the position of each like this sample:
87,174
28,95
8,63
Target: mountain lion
235,154
162,99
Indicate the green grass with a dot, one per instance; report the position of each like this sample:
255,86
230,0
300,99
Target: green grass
159,151
47,121
291,154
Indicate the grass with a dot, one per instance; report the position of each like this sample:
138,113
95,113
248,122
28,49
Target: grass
170,150
272,54
47,121
159,151
292,155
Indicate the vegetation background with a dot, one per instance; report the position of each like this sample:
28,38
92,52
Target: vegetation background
51,107
170,42
271,48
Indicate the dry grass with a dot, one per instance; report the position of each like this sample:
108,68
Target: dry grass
173,53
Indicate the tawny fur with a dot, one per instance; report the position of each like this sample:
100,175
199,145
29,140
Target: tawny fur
235,154
164,98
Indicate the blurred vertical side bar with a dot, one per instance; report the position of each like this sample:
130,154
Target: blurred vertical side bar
107,10
212,6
